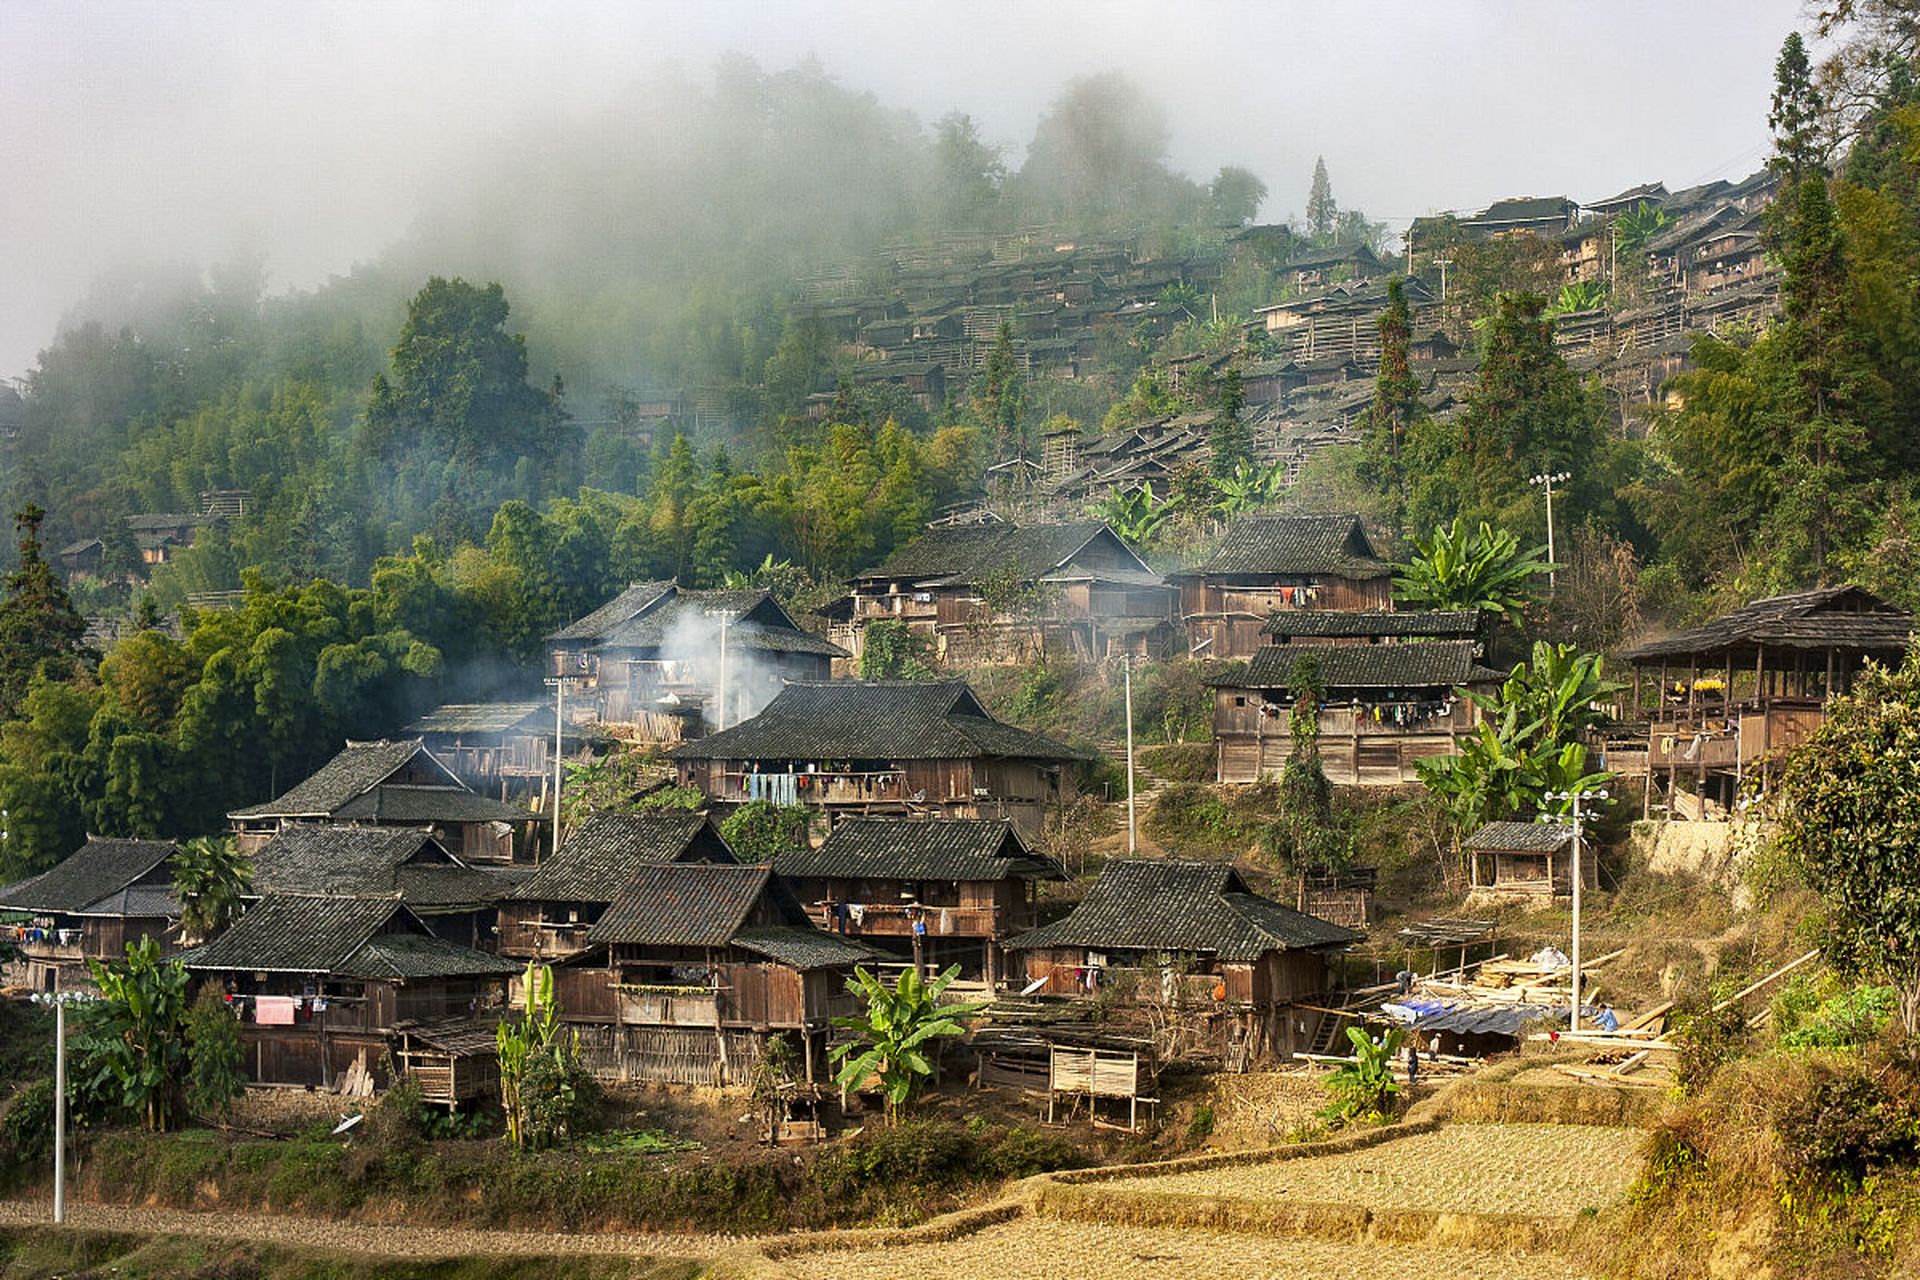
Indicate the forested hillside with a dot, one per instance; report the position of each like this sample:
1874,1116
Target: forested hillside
463,444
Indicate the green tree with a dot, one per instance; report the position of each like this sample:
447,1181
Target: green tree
1322,212
1795,115
210,878
1001,395
1482,569
38,623
1235,195
545,1091
1396,395
891,650
895,1038
133,1050
760,830
1848,823
215,1076
1232,436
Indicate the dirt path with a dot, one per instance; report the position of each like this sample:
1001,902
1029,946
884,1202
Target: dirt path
361,1238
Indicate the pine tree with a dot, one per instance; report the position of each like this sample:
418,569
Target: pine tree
1322,212
1001,396
38,622
1795,115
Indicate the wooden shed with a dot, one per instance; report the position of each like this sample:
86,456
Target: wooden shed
1527,860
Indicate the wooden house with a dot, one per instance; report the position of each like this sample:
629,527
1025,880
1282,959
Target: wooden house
1073,588
89,906
547,916
1541,215
454,900
1719,706
1384,707
157,537
389,784
1527,860
1648,193
937,893
1193,937
500,749
1368,626
648,666
81,559
1311,268
883,748
693,965
325,985
1269,564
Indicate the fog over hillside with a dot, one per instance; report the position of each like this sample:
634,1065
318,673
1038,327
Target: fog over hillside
501,140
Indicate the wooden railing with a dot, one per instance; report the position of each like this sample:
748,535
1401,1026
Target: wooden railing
894,919
530,938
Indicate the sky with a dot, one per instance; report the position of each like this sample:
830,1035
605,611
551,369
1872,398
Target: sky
314,133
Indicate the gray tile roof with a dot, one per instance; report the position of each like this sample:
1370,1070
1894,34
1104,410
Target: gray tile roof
1183,907
1847,618
1296,546
409,802
418,956
875,720
1423,664
602,854
623,608
1520,837
373,862
1322,623
917,849
965,554
805,948
295,933
480,717
681,904
358,768
98,869
755,621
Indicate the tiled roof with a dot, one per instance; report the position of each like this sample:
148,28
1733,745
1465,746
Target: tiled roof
295,933
875,720
1205,907
755,621
100,868
372,862
1320,623
804,948
1520,837
681,904
477,717
604,852
408,802
1846,618
916,849
623,608
359,768
1416,665
1296,546
969,553
416,955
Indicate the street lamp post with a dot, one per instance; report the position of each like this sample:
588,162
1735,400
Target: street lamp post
559,685
1575,818
60,1000
1549,479
1126,666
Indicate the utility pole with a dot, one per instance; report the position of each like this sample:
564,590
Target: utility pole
559,684
720,712
1549,478
1443,264
60,1000
1575,817
1133,837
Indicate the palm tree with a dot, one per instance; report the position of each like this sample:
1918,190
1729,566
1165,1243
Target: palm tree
892,1039
210,876
1482,569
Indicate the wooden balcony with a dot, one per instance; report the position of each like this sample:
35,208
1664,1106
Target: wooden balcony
549,941
894,920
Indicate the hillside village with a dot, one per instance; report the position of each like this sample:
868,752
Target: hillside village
1146,743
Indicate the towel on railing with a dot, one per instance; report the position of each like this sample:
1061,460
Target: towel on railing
274,1011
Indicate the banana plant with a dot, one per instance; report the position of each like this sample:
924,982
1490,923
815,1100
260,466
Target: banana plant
1250,487
1481,569
1134,514
894,1037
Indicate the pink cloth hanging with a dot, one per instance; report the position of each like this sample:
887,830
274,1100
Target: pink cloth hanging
274,1011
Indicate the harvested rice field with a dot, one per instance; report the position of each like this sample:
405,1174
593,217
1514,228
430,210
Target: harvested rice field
1460,1168
1050,1249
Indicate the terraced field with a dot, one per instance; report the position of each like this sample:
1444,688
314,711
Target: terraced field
1049,1249
1539,1169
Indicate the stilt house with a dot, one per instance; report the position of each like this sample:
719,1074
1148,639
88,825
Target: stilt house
1271,564
89,906
989,593
650,665
1383,707
390,784
1193,937
498,749
1722,704
454,900
874,748
324,985
940,892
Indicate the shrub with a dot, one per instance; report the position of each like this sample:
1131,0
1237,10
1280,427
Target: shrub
1843,1021
1707,1040
28,1123
1848,1126
760,830
214,1077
